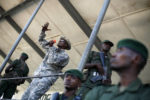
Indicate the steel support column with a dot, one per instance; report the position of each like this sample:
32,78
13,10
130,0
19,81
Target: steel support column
93,34
16,8
20,36
4,55
25,36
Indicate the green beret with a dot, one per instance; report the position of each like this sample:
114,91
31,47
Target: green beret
67,41
108,42
76,73
135,46
24,55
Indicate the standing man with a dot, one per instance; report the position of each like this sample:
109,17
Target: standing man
98,69
128,61
98,64
54,61
18,68
72,82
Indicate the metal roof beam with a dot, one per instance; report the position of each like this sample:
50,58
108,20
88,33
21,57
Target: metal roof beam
4,55
79,20
16,8
25,36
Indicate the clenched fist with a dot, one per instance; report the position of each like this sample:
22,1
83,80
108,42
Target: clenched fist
45,27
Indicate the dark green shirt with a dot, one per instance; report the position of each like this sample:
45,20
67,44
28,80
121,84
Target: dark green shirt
20,67
94,57
135,91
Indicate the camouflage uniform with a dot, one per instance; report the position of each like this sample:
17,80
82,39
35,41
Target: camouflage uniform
53,62
94,57
135,91
8,87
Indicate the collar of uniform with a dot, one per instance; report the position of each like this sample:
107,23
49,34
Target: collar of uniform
59,50
63,97
134,86
112,89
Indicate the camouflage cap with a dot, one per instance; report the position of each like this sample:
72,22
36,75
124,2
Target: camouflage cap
67,41
109,42
76,73
135,46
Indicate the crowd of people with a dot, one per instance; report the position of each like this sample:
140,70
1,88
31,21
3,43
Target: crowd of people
94,83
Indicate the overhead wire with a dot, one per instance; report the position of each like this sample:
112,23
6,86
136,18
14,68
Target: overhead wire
29,77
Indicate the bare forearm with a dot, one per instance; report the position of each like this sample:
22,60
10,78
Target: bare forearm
88,66
42,36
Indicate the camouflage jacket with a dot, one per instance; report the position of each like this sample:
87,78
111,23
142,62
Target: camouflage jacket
54,60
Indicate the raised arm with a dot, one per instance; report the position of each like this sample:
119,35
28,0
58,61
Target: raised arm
43,42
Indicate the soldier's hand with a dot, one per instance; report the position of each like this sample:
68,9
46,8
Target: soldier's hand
45,27
52,42
107,81
89,65
100,69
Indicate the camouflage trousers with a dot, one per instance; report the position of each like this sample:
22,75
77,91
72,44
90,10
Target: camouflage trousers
38,87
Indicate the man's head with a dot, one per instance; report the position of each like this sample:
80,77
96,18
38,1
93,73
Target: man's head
64,43
24,56
106,46
72,79
129,53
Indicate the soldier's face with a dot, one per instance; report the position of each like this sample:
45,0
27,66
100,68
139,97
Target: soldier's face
23,58
121,59
62,44
106,47
71,82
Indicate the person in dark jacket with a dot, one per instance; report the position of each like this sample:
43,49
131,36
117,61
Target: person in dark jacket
98,69
18,68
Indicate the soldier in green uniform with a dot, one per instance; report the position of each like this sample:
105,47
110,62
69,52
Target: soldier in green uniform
128,61
98,69
72,82
18,68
